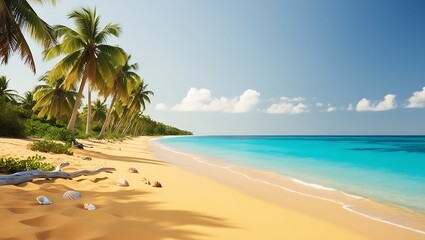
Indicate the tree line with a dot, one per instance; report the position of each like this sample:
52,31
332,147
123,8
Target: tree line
86,61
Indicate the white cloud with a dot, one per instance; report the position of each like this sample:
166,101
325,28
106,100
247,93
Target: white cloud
330,108
417,100
202,100
298,99
247,101
350,107
161,107
286,106
319,104
295,99
387,104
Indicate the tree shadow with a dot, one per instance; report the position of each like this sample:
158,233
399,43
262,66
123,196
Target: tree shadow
123,212
96,154
137,216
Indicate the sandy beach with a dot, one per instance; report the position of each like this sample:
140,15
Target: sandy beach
188,206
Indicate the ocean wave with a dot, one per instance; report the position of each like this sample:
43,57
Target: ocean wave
313,185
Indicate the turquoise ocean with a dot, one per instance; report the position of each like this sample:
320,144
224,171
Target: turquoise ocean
386,169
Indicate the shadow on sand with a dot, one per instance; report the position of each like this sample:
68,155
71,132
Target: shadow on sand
122,213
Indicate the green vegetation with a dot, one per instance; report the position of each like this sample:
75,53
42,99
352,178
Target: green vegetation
46,130
50,111
17,15
12,165
50,146
150,127
11,121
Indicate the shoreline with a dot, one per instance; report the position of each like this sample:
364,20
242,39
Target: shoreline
403,218
189,206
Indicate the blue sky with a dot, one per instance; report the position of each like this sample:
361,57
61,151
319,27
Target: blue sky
268,67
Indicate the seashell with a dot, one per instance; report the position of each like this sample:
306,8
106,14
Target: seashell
43,200
89,206
122,182
133,170
156,184
71,195
147,182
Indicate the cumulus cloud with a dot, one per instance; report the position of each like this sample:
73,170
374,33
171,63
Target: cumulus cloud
288,106
202,100
417,100
247,101
161,107
350,107
330,108
387,104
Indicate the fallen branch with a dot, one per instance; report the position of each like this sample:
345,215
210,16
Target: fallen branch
28,176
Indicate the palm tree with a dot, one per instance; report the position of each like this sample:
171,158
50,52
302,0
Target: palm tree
28,101
14,16
98,109
53,100
87,57
116,114
139,97
124,82
5,92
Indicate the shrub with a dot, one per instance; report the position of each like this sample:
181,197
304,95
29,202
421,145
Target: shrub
50,146
56,133
36,128
112,135
10,121
12,165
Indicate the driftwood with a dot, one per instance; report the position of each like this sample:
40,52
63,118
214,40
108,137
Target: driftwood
28,176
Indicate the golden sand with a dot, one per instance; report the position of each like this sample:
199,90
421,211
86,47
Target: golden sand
189,206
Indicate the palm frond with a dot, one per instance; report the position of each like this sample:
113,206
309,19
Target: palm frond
63,67
110,29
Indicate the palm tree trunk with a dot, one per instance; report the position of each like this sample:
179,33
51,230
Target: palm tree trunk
108,115
88,127
124,115
129,123
71,124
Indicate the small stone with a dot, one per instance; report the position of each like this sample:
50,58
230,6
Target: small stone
133,170
122,182
89,206
87,158
147,182
156,184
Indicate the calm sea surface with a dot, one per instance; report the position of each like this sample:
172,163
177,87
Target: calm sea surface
389,169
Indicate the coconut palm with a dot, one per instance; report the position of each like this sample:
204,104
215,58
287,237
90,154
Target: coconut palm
139,97
98,112
28,101
124,82
116,114
87,58
53,100
5,92
16,15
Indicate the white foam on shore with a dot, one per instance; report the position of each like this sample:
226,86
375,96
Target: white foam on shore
317,186
313,185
